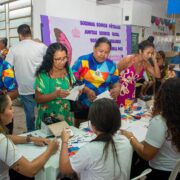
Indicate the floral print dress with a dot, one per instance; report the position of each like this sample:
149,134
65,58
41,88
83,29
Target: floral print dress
58,108
128,79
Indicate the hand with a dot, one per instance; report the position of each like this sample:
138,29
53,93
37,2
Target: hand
40,141
65,135
80,92
91,95
115,93
53,146
61,93
154,57
127,133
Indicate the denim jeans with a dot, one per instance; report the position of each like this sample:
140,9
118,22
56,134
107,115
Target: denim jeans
29,108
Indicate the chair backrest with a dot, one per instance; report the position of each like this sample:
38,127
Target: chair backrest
143,174
175,171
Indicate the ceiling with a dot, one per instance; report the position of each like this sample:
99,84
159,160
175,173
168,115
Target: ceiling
155,1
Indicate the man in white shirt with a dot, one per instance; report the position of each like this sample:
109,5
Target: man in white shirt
26,57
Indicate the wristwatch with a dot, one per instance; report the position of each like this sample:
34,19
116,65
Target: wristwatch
28,138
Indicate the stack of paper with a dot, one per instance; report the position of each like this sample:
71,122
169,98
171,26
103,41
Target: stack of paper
74,93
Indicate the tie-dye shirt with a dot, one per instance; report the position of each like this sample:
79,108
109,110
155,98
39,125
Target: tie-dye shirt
7,77
96,76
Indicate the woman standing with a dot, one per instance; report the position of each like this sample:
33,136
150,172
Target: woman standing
132,67
162,142
98,73
53,82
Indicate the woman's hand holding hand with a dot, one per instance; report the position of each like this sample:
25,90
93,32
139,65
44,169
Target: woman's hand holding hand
53,146
115,92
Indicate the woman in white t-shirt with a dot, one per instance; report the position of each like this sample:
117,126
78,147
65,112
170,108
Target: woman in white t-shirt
108,156
9,155
162,142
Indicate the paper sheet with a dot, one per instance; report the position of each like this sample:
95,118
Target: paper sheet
105,94
30,151
57,128
139,129
74,93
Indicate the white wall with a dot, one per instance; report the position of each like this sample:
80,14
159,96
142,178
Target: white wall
75,9
178,25
159,9
89,10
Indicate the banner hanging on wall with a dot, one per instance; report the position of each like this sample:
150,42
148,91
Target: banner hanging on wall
79,36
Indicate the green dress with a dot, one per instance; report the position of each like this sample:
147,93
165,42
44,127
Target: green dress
59,108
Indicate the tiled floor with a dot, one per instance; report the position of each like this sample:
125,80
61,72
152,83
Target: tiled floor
19,118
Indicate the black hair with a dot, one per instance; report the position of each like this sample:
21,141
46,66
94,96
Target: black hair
3,105
167,103
162,54
164,68
4,41
24,30
150,39
145,44
104,115
102,40
3,102
47,63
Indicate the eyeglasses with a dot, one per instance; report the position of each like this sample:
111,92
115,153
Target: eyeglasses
62,60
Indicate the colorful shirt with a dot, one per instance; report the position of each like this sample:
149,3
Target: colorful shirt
58,108
96,76
7,77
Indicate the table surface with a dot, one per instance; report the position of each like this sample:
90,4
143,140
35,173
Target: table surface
51,168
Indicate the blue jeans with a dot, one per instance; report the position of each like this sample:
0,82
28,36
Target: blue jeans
29,107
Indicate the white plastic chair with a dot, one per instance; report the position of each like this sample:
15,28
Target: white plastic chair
175,171
143,174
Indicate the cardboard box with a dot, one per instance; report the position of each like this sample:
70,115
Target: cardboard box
54,129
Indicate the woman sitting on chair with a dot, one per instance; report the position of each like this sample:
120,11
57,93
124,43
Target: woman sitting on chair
10,157
162,142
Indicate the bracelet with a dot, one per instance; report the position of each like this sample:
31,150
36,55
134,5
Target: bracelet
28,138
131,138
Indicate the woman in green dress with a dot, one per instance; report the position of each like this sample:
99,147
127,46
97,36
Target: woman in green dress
54,79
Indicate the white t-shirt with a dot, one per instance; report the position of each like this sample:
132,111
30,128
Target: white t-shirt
89,165
8,156
26,57
168,155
